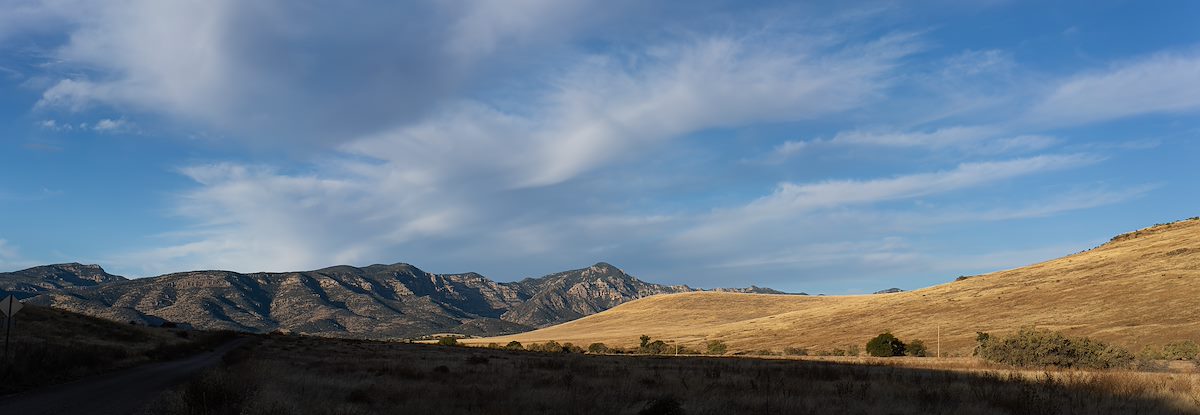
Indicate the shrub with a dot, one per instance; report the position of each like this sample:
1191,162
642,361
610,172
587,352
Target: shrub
571,348
447,341
852,351
597,348
916,348
548,347
1030,347
795,351
514,345
645,340
1181,350
885,345
1184,350
493,345
656,347
716,347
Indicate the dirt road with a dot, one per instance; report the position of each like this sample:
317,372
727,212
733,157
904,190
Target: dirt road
121,392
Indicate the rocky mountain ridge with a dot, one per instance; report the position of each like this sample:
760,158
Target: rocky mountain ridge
379,301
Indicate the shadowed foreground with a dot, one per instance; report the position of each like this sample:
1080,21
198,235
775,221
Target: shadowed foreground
121,392
313,376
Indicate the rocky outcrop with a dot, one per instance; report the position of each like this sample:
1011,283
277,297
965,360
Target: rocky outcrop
55,277
569,295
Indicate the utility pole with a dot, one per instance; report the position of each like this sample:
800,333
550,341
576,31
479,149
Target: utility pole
7,328
9,306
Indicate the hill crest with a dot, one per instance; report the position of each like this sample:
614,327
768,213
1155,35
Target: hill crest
1135,290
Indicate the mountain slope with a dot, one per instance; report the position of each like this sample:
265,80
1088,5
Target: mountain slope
573,294
55,277
378,301
1140,288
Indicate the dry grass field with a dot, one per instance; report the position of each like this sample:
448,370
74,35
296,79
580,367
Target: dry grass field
304,375
1142,288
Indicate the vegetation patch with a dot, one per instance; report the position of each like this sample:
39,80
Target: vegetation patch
885,345
1030,347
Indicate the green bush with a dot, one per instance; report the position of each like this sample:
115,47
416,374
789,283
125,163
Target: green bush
1030,347
447,341
885,345
514,345
916,348
597,348
716,347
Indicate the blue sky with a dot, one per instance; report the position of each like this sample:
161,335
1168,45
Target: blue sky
821,147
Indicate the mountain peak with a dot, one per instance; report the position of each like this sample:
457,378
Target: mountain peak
604,265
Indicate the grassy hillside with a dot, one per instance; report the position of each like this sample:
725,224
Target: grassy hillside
1141,288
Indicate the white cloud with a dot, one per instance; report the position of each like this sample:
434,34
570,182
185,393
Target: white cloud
608,105
54,125
1163,83
466,172
270,71
111,126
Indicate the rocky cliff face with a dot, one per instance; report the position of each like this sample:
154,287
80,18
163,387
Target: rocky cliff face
569,295
378,301
54,277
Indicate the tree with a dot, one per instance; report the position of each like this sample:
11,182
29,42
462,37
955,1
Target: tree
645,340
916,348
448,341
597,348
514,345
885,345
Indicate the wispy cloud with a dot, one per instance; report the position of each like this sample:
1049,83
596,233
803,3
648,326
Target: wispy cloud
1162,83
791,201
10,257
978,140
464,169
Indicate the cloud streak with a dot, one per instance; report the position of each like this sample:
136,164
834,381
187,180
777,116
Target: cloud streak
1162,83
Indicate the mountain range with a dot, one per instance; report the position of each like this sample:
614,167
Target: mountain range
395,301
